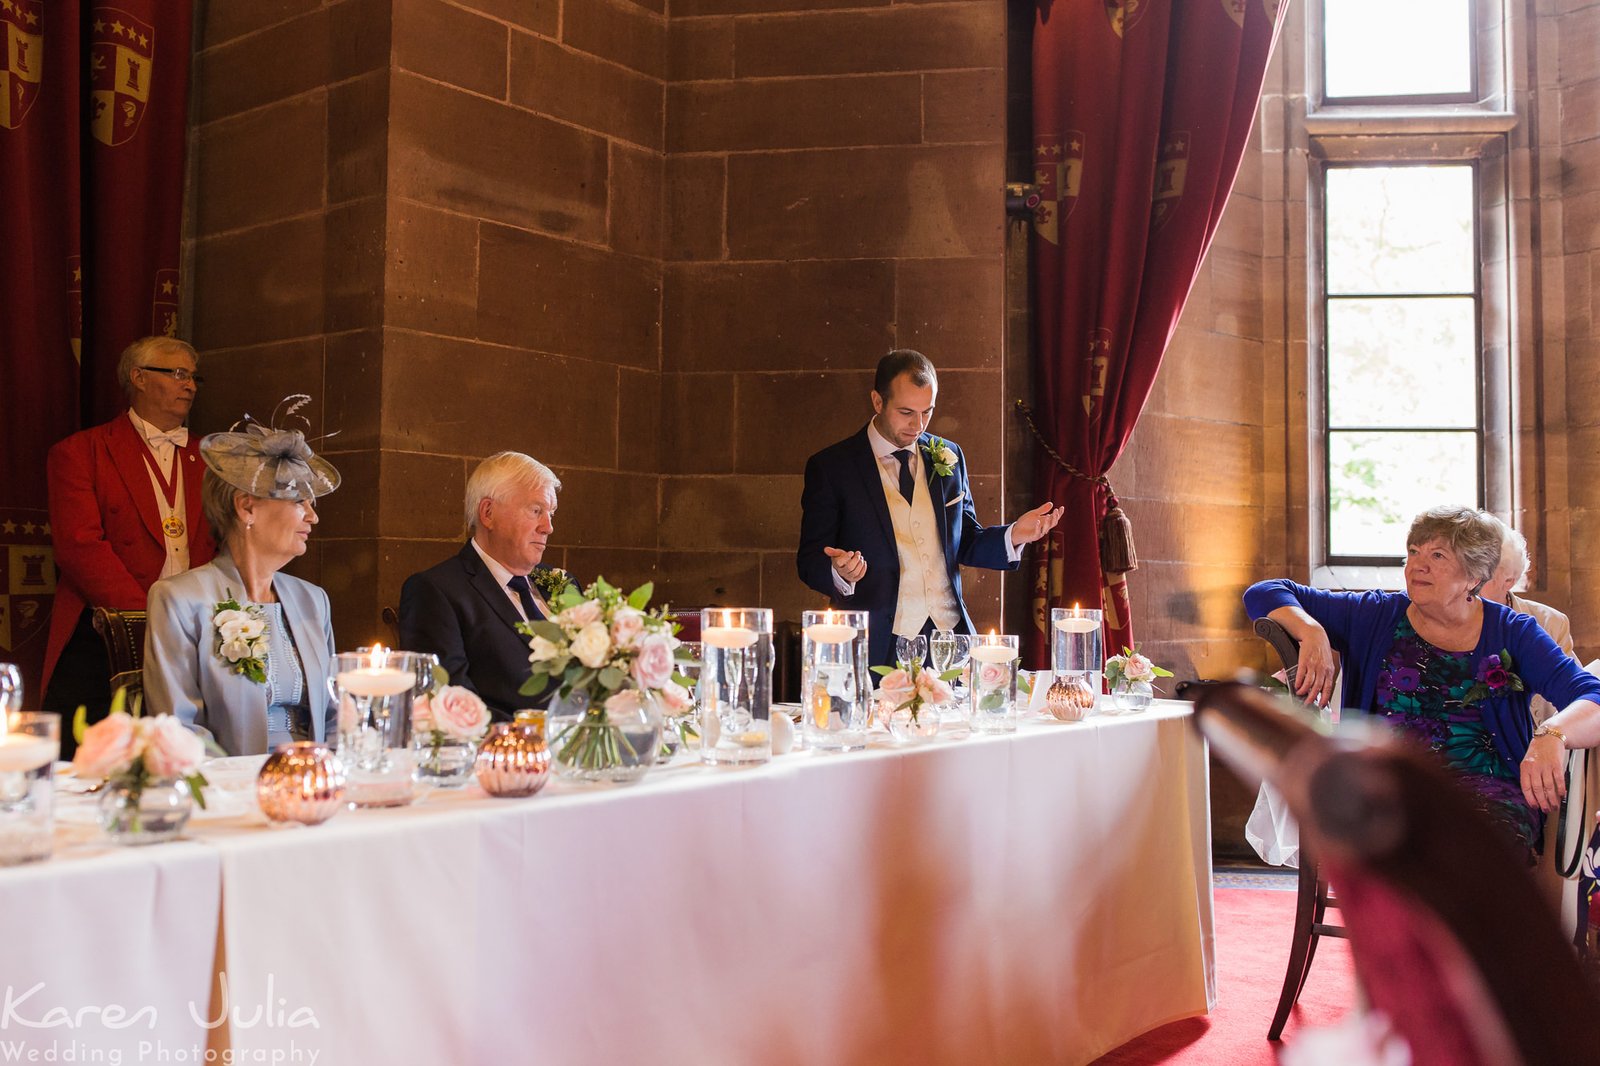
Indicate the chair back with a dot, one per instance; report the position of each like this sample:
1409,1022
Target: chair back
1451,938
688,619
123,634
1287,647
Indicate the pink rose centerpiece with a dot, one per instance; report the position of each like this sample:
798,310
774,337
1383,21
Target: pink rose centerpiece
151,768
612,661
446,728
909,696
1131,676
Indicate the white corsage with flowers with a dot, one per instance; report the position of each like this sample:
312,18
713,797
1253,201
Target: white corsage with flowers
241,638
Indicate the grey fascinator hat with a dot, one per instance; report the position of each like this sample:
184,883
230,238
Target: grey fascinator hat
273,462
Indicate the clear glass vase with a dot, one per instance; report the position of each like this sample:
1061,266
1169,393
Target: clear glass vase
615,745
908,730
443,762
1131,697
156,811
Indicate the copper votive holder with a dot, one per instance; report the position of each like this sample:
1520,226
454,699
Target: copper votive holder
514,759
302,782
1069,698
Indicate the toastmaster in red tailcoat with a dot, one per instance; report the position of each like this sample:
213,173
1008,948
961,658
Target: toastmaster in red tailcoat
124,512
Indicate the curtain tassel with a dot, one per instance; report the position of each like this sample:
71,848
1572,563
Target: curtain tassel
1117,554
1116,531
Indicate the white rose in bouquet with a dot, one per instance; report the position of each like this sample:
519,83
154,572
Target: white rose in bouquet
541,650
592,645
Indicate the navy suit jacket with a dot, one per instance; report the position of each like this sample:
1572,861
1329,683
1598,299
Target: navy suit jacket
457,611
843,506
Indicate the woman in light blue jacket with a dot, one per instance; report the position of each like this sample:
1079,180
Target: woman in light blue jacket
235,648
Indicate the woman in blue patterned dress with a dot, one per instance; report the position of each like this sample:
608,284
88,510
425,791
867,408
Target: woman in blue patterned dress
1447,668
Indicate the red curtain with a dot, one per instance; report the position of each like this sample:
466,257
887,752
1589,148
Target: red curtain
1141,113
93,116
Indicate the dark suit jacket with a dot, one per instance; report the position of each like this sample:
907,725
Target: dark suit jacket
105,524
458,612
843,507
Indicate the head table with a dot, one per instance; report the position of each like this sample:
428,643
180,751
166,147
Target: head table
1039,897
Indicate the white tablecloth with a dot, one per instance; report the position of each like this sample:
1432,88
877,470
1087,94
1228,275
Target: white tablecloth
1038,898
107,954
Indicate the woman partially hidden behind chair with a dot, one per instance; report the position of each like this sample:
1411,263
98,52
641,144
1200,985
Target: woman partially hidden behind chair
236,649
1449,669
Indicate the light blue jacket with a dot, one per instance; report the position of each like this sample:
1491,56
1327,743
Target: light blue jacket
184,675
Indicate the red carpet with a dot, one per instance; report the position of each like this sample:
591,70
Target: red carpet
1253,927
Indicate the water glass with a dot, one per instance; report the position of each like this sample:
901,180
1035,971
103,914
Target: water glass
29,744
835,683
993,693
735,688
1077,644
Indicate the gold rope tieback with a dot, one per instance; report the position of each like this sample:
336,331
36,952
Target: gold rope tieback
1117,554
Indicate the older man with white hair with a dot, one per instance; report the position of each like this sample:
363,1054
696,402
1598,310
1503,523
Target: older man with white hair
466,610
1510,574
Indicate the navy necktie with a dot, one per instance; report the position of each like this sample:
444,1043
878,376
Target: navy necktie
908,484
519,585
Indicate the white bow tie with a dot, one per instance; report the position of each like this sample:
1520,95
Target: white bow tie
178,438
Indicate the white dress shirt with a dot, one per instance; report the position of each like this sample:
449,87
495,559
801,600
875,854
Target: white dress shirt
503,577
164,446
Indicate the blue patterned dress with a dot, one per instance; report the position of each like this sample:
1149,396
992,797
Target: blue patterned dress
1419,693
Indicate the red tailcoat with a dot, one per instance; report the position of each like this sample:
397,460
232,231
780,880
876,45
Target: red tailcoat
106,525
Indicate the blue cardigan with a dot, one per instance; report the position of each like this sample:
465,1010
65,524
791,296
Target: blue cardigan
1361,626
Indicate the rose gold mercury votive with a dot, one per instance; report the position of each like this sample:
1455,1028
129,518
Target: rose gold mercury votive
301,782
514,760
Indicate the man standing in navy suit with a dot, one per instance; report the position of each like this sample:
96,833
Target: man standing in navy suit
466,609
887,517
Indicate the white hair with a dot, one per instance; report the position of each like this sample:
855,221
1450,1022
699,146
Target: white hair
135,355
502,471
1514,551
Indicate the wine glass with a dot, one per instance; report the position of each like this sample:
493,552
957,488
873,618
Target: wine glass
942,649
960,653
911,649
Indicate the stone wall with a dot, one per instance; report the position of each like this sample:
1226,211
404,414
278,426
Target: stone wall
444,221
834,190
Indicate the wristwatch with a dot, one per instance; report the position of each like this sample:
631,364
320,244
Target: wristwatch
1550,730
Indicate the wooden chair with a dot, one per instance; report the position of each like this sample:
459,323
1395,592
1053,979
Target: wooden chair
123,635
1312,897
1451,939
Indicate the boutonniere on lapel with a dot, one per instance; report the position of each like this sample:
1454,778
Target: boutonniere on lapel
241,640
551,582
941,455
1496,677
